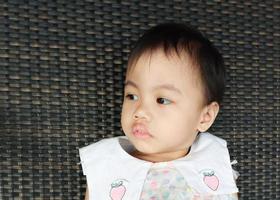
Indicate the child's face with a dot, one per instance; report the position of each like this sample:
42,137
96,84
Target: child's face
163,106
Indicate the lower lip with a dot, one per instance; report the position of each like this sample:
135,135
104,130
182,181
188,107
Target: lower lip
140,133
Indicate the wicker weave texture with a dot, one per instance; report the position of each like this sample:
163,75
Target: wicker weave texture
62,65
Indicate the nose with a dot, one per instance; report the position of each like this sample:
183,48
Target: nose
142,112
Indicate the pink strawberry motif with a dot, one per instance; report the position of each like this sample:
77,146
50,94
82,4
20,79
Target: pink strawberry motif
117,191
211,180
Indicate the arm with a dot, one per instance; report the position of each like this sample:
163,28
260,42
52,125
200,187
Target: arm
86,195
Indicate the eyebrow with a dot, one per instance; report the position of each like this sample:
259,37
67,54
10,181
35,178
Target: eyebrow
131,83
169,87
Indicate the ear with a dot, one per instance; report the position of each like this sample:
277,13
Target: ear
208,116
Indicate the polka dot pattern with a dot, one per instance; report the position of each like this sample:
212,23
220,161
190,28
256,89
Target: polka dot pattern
165,182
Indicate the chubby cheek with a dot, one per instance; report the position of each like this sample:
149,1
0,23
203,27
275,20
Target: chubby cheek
180,132
181,122
126,117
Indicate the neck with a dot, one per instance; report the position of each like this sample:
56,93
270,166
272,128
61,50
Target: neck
160,157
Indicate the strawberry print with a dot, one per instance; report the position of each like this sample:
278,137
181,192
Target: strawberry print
117,191
211,180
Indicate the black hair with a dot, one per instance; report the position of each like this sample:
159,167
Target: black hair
182,38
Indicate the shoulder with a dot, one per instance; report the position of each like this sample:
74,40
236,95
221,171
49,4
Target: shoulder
208,146
206,139
209,161
99,145
97,152
105,145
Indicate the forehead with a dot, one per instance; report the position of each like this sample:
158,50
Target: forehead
157,68
178,64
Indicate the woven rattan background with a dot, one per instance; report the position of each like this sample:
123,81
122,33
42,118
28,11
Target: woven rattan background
61,72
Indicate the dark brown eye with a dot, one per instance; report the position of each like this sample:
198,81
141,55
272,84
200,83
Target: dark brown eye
163,101
131,97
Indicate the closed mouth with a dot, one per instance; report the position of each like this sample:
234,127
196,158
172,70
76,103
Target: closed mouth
140,131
